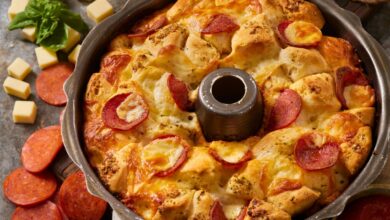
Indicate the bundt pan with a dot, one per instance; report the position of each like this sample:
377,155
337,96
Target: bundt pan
339,22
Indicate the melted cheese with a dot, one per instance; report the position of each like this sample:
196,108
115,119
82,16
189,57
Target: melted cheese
231,152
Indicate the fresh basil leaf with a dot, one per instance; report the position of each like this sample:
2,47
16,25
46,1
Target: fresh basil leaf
21,20
58,39
46,28
74,21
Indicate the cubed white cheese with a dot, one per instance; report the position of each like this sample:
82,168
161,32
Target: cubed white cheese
16,7
45,57
73,39
19,69
17,88
99,10
74,54
24,112
29,33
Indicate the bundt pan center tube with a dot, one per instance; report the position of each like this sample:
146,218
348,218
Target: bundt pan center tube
339,22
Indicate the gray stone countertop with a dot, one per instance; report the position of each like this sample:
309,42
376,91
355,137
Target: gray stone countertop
12,136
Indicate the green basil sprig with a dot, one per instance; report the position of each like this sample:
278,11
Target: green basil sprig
50,18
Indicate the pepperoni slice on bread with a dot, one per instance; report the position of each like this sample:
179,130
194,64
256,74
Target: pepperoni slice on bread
125,111
313,152
346,76
285,111
111,65
151,26
76,202
47,210
216,212
231,155
41,148
179,92
166,154
27,189
220,23
299,33
50,83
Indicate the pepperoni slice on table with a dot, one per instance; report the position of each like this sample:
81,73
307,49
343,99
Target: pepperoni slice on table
113,64
132,110
285,111
27,189
299,33
310,156
179,92
220,23
166,154
216,212
50,83
231,155
47,210
346,76
77,202
41,148
144,30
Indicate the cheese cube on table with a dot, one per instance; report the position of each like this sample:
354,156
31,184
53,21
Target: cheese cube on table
74,54
24,112
17,88
73,39
29,33
19,69
45,57
16,7
99,10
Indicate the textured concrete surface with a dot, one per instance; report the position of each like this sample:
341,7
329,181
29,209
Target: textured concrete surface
13,136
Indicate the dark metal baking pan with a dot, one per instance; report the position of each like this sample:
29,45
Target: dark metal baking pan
339,23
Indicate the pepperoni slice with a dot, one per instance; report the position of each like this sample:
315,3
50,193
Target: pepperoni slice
231,155
216,212
50,83
285,111
26,189
144,30
132,107
47,210
113,64
285,185
346,76
310,156
299,33
220,23
242,214
179,93
77,202
41,148
166,154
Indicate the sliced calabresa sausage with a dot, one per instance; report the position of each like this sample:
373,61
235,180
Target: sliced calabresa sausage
26,189
111,65
144,30
232,155
47,210
179,92
50,83
315,152
220,23
125,111
216,212
166,154
285,111
76,202
299,33
41,148
346,76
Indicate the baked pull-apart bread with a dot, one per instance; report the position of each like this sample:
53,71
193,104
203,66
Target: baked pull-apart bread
144,139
